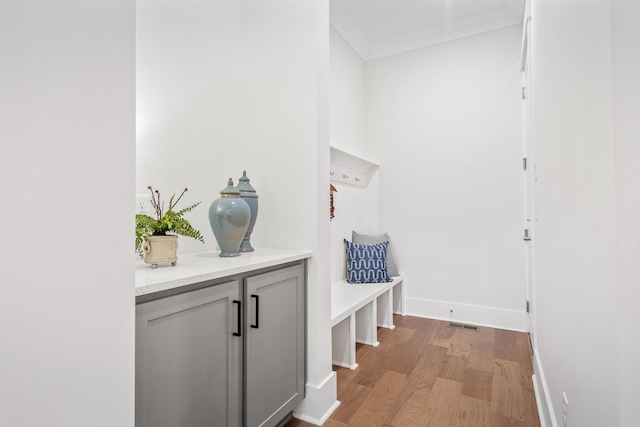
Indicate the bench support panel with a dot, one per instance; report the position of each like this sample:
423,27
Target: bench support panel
398,298
343,345
366,328
385,310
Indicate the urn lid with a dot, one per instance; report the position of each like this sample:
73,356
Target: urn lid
245,188
230,190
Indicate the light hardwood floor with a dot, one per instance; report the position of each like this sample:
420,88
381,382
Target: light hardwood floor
425,373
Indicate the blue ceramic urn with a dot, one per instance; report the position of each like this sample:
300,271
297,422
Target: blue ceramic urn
249,195
229,217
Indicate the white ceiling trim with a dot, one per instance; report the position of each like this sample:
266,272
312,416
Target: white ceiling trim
344,24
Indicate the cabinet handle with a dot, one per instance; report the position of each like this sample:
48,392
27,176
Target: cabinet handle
257,325
239,333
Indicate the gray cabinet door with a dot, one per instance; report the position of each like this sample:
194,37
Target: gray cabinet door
275,328
188,360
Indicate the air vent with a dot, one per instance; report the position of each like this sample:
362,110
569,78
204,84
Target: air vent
463,326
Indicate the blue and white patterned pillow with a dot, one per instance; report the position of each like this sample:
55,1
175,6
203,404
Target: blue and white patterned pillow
367,263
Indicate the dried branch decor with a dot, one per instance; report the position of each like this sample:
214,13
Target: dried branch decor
332,189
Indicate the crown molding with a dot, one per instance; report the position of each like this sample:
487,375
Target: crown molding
346,27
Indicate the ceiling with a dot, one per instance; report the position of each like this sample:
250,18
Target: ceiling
376,28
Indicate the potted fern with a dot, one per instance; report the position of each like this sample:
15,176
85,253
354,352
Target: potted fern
153,242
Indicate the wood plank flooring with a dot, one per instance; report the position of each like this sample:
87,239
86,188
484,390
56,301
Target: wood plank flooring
425,373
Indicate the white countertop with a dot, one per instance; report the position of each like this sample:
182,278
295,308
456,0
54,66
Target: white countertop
195,268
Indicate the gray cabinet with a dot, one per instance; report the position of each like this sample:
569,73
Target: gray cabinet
227,354
188,360
274,349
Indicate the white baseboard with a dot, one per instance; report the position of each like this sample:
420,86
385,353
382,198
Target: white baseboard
320,401
539,394
493,317
543,399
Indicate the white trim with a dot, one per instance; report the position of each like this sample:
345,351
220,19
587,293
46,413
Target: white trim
536,391
524,46
320,401
515,320
543,397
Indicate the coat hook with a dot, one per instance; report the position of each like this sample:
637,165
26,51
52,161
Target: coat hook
357,179
332,173
345,176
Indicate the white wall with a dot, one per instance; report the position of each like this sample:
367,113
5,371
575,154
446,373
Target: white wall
445,123
189,104
576,229
221,89
227,86
355,207
626,108
67,130
347,97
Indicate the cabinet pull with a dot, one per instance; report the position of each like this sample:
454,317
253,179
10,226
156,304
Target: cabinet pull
257,325
239,333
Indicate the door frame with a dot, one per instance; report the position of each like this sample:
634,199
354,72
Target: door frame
529,165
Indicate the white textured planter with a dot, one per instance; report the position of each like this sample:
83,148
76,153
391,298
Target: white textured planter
160,250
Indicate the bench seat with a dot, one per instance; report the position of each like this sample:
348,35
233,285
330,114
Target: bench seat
356,312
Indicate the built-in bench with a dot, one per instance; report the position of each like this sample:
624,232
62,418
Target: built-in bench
356,312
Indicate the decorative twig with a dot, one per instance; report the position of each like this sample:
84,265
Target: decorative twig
153,199
158,205
155,202
181,194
